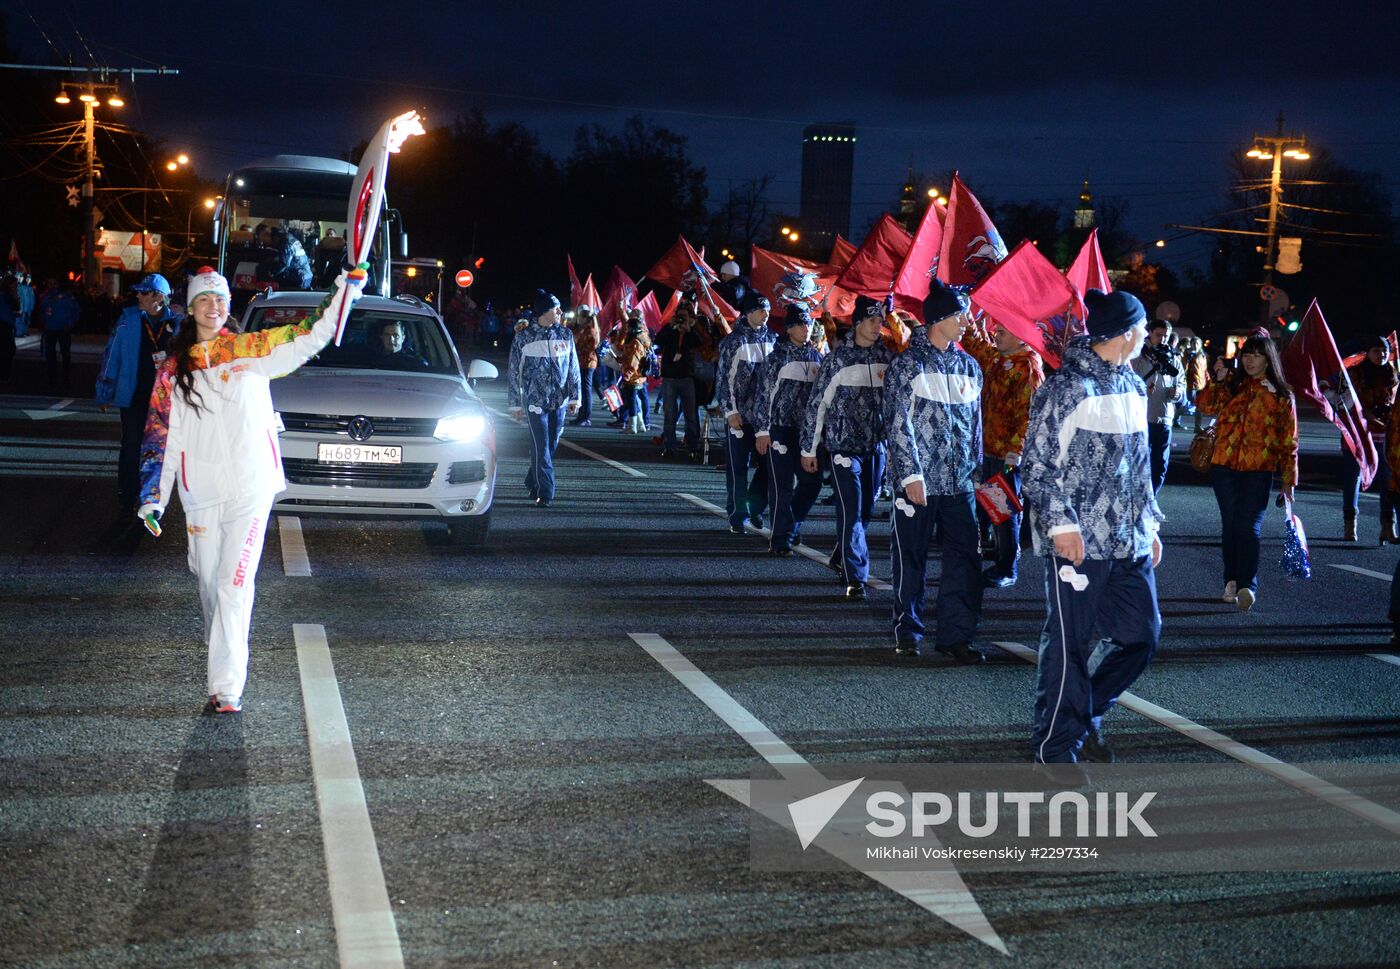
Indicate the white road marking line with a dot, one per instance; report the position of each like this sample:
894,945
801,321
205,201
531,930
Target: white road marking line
1264,763
1390,658
618,465
62,403
803,550
942,893
365,933
294,558
1360,571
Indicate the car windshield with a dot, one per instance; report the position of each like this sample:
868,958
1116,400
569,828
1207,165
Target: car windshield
375,339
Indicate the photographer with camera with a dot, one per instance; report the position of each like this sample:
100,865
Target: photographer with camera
1161,369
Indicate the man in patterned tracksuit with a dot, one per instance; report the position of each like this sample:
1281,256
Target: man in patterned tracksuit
741,354
933,410
844,415
784,385
544,380
1087,476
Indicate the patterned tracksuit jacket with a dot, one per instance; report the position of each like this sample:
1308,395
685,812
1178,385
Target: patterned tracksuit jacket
785,384
845,409
543,368
741,354
1086,465
933,412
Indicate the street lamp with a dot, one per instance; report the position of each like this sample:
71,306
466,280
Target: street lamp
1275,148
90,95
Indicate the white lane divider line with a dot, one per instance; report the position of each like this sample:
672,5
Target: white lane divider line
802,550
1358,570
1339,797
62,403
1390,658
942,892
617,465
294,557
366,935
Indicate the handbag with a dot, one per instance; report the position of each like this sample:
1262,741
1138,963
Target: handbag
1295,561
998,499
613,399
1202,449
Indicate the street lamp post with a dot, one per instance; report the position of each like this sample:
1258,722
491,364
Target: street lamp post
1275,148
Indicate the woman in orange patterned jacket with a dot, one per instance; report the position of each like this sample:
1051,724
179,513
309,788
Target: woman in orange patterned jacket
1011,374
586,338
1256,435
633,353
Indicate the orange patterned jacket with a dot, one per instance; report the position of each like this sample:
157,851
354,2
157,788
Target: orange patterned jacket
1256,428
1008,384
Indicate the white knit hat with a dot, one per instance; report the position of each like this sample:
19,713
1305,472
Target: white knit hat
207,281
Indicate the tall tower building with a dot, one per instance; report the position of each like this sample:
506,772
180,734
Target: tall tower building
828,157
1084,211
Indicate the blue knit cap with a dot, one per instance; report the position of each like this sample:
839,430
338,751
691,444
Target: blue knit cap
943,301
544,302
865,306
1111,314
753,301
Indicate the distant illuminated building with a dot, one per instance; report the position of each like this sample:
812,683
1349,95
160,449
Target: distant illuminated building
828,160
1084,211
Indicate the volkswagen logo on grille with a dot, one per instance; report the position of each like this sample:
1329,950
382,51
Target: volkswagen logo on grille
361,428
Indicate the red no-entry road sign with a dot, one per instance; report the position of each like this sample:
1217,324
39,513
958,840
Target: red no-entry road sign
465,278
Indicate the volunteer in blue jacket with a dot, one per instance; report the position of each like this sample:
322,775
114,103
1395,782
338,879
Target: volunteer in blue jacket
1087,475
741,354
784,385
544,381
845,416
933,410
134,353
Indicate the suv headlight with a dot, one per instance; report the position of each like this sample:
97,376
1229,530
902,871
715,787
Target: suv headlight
462,427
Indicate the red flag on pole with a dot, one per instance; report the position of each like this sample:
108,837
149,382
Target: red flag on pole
588,295
619,289
768,270
1026,294
972,246
872,270
651,312
920,263
842,252
1313,366
575,287
672,305
681,267
1088,270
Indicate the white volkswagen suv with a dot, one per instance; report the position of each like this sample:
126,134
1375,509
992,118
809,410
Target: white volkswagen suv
384,425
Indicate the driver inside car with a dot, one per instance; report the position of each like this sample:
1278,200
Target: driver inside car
389,350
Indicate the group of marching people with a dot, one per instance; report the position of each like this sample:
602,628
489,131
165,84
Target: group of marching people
933,409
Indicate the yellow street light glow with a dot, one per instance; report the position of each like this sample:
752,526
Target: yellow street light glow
1161,243
1302,155
116,101
183,159
87,96
1254,153
787,231
208,203
63,98
793,237
933,193
411,271
171,166
941,201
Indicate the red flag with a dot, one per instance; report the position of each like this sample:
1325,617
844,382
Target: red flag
768,270
1088,270
588,295
651,312
842,252
619,288
1313,366
1026,294
681,267
872,270
972,246
920,263
575,288
671,306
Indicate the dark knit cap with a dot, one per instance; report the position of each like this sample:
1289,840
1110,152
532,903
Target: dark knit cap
1111,314
544,302
798,314
865,306
753,301
944,301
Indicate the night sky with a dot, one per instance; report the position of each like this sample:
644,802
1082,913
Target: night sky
1146,99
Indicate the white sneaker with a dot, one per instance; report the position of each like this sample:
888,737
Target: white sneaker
1245,599
1229,594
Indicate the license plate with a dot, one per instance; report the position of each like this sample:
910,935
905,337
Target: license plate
359,453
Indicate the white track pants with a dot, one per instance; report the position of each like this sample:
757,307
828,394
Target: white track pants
226,542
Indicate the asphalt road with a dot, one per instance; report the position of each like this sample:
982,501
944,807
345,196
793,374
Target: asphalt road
536,780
